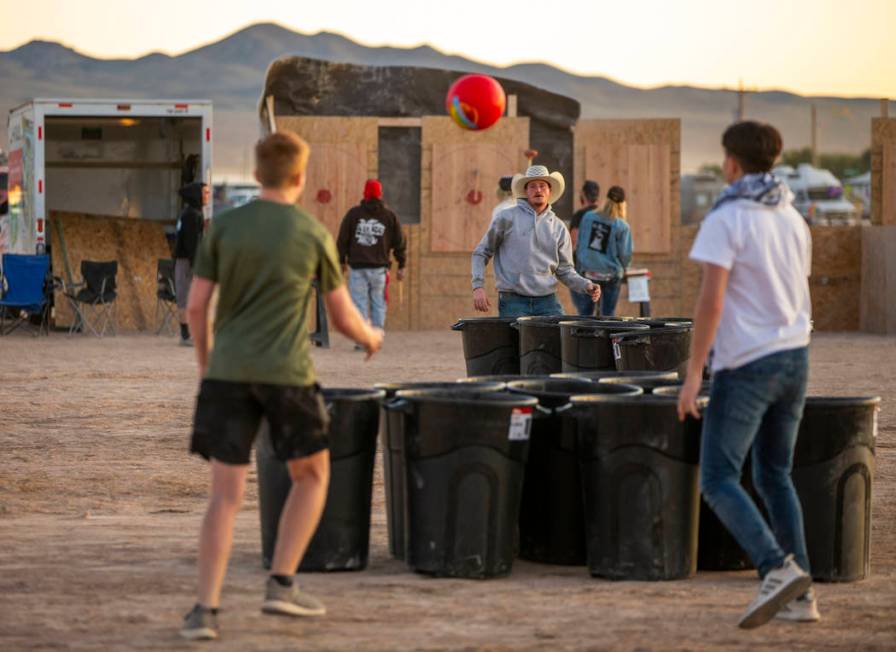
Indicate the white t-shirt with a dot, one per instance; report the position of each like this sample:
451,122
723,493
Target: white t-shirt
768,253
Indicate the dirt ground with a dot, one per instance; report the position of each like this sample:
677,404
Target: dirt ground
100,506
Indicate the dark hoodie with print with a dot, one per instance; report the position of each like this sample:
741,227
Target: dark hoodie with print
189,224
367,233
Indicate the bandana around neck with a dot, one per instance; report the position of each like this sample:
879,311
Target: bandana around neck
763,187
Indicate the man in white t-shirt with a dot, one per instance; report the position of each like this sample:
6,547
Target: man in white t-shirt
754,312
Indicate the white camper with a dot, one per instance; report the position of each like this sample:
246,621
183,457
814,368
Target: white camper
818,195
119,158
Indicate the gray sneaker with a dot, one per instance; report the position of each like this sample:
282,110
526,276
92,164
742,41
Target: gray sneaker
802,610
200,624
778,587
290,601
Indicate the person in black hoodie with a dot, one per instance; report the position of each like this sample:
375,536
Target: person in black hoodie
367,235
186,243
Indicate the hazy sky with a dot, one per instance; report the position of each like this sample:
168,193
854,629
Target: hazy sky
807,46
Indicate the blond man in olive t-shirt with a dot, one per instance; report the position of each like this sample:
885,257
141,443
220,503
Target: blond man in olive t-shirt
262,257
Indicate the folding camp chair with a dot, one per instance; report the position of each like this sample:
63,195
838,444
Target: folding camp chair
93,299
24,291
166,299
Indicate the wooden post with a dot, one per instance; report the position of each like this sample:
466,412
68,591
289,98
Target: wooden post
884,107
511,106
814,136
269,105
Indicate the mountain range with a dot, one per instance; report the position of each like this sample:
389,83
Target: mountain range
231,73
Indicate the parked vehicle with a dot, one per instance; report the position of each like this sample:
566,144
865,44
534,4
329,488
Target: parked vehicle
818,195
698,194
234,195
858,190
114,158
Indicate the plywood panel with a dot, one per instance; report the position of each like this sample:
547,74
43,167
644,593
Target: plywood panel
888,183
334,182
615,143
643,172
883,171
878,292
136,244
463,181
330,129
444,202
403,295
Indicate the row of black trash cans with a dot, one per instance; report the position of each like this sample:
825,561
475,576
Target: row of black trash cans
536,346
562,470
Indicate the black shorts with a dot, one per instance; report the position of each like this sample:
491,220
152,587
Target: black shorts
228,415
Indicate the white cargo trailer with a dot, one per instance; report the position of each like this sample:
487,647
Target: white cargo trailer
118,158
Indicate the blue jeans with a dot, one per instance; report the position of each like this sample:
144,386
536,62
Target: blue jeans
759,404
517,305
368,290
609,296
583,303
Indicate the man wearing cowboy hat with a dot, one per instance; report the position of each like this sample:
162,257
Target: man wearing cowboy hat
532,249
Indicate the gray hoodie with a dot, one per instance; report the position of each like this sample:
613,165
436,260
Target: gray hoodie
531,252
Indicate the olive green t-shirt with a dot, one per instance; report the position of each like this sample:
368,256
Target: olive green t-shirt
264,256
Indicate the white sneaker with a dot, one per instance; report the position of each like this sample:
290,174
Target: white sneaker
778,587
803,610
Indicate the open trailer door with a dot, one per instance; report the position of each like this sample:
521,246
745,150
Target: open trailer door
99,182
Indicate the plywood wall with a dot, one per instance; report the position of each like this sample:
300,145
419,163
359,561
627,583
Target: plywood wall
464,178
136,244
836,282
835,286
445,293
343,156
643,171
642,156
883,171
877,308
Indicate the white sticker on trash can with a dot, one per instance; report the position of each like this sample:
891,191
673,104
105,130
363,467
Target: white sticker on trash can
520,424
617,352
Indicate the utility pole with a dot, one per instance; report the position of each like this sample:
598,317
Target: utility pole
741,100
814,136
884,107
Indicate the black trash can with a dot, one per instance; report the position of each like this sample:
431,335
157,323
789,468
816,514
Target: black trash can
393,453
341,541
586,346
672,389
833,468
491,345
658,349
670,376
540,349
552,522
496,378
465,456
640,475
665,322
649,384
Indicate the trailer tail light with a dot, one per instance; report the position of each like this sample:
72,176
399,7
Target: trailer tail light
123,107
181,106
208,134
40,133
40,225
40,185
65,105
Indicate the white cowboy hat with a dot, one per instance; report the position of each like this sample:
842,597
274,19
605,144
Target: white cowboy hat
538,172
